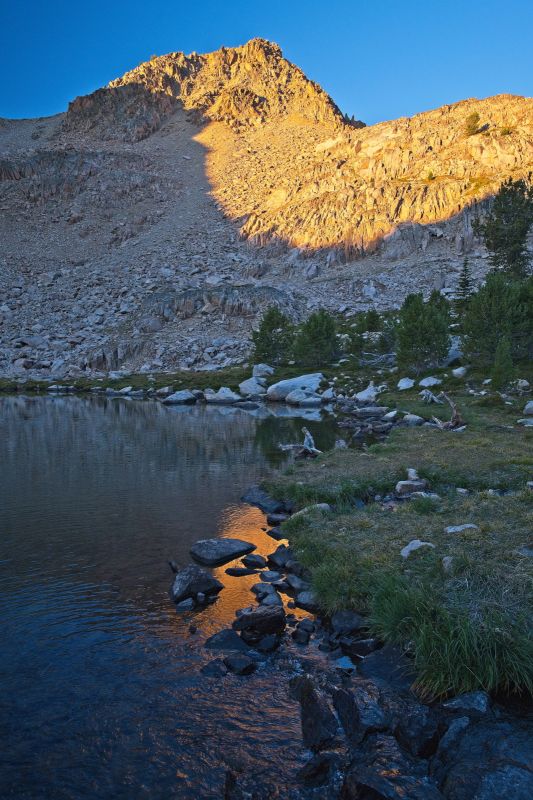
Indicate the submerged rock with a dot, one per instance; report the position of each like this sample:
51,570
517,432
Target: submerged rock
214,552
194,580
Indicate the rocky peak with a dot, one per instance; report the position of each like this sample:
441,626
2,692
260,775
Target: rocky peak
245,87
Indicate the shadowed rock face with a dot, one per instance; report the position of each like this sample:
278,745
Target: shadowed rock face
153,222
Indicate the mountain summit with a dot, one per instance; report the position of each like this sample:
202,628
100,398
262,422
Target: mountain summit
152,222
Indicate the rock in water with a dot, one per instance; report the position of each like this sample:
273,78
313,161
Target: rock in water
183,397
194,580
254,623
319,725
214,552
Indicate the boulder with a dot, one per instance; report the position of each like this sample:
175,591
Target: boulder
307,600
279,391
303,399
193,580
214,552
240,664
224,396
183,397
252,386
319,725
226,640
344,622
412,420
367,395
426,383
459,372
528,408
254,561
468,526
262,371
360,710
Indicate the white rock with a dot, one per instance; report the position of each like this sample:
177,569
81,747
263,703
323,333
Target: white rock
224,396
328,395
310,383
413,419
522,384
367,395
391,416
447,564
126,390
459,528
253,386
414,544
527,422
430,381
262,370
324,507
405,383
528,408
459,372
183,397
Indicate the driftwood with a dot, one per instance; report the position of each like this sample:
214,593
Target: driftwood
456,422
428,397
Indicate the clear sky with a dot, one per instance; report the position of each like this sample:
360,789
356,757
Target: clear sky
378,59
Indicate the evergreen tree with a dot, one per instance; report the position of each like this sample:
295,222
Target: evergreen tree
501,308
422,334
440,304
502,371
505,228
464,290
274,337
373,320
316,341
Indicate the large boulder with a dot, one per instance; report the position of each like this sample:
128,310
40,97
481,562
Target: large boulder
310,383
214,552
224,396
193,580
183,397
299,397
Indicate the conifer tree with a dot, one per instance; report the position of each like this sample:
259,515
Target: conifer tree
464,289
505,228
274,338
502,371
422,334
316,341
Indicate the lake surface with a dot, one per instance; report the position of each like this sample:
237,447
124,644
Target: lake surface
101,694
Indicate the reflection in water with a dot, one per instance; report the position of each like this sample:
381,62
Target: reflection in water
100,689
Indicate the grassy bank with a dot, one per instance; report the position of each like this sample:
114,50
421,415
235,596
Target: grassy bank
463,607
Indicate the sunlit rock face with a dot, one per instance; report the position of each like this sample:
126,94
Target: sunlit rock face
151,224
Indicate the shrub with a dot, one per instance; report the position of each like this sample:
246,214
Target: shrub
316,341
505,228
422,333
472,124
274,338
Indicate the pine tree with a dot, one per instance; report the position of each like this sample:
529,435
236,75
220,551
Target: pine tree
274,338
373,320
502,371
422,334
316,341
499,309
464,290
505,228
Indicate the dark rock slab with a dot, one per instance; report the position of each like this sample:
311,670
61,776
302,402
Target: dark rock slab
241,572
485,760
419,729
382,771
280,556
276,519
360,711
276,534
268,643
388,667
254,561
319,769
306,600
358,648
269,576
215,668
319,725
470,702
255,496
254,623
193,580
214,552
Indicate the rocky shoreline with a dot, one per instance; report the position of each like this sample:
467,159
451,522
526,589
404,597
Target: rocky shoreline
368,733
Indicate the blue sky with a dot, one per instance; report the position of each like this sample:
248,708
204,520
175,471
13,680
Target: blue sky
378,59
